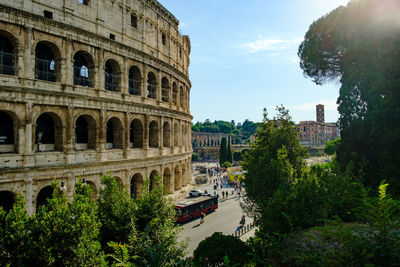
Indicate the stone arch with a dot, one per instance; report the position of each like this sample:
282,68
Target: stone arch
174,93
83,69
9,124
165,89
7,200
114,138
167,180
8,57
47,61
151,85
176,135
136,134
119,181
85,132
94,189
166,134
44,195
153,134
153,176
112,75
136,185
48,132
134,87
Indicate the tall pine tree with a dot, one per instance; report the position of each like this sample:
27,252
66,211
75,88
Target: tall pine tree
229,152
222,151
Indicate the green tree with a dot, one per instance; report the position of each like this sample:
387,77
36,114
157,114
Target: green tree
195,156
358,45
154,238
213,251
115,209
229,151
222,151
331,146
66,233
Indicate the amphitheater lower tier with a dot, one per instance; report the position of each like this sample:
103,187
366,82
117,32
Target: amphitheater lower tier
34,183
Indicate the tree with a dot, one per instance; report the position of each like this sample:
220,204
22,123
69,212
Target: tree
195,156
214,250
358,45
275,160
66,233
154,237
115,209
222,151
229,151
331,146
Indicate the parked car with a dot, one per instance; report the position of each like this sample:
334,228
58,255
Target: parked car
195,192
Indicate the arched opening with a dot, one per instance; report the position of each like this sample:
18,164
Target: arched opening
48,133
47,65
44,195
119,181
114,133
153,134
136,134
152,184
112,76
164,89
85,133
7,56
7,137
174,93
181,97
166,134
167,180
176,135
178,178
7,200
83,69
151,86
136,185
134,81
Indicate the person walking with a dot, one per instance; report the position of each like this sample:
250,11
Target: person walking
223,194
202,217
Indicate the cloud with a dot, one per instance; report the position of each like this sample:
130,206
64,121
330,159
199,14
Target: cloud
330,105
270,44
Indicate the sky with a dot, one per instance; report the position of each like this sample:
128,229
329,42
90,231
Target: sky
244,58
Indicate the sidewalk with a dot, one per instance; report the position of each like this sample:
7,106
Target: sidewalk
247,235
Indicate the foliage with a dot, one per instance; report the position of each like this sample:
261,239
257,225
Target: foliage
15,235
217,248
195,156
66,233
120,255
331,146
223,153
358,45
237,156
115,211
154,238
229,151
226,164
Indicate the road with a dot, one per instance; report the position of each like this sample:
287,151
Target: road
225,219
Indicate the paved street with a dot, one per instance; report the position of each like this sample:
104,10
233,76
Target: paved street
225,219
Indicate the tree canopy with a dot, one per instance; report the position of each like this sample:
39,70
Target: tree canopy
357,45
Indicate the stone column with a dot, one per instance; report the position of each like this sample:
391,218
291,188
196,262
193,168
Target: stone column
102,136
99,81
124,78
159,89
160,134
68,63
144,83
28,157
28,60
28,194
146,134
127,135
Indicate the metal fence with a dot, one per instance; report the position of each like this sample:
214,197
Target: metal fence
244,230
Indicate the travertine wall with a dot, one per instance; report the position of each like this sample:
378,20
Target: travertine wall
132,135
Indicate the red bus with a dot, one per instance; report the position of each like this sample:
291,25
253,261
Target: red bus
188,209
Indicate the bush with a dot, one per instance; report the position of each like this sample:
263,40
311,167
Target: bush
218,248
226,164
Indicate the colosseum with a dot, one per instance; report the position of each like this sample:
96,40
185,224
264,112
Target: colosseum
89,87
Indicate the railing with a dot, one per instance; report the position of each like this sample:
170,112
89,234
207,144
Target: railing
82,80
244,230
45,70
151,91
111,82
134,87
7,61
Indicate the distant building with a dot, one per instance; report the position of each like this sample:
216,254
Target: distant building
317,132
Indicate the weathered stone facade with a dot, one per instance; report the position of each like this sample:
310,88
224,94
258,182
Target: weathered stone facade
89,87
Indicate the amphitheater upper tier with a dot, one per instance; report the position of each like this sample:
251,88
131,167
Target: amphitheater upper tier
89,87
